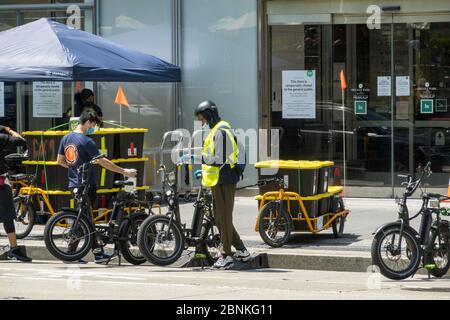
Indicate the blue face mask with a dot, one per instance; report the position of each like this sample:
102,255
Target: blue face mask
90,131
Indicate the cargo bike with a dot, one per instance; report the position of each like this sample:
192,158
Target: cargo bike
298,199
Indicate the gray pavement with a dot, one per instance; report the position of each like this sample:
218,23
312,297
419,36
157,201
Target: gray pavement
305,250
365,216
55,280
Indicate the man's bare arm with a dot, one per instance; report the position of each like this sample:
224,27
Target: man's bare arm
62,161
107,164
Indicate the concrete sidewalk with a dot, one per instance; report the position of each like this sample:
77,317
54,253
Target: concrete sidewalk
305,250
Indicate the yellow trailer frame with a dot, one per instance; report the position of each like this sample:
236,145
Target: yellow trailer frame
101,216
312,223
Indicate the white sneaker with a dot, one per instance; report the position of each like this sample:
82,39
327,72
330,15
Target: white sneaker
242,255
223,262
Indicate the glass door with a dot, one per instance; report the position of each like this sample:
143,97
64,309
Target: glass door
364,56
428,45
300,69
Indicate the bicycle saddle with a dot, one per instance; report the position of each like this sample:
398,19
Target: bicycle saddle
20,176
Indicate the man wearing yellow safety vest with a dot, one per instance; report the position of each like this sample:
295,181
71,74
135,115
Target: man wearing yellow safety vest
219,172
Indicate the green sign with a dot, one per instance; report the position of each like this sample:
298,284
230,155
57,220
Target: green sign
426,105
441,105
360,107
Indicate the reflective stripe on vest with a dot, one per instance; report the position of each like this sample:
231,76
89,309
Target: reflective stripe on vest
210,174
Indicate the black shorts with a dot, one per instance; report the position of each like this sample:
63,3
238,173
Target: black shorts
7,210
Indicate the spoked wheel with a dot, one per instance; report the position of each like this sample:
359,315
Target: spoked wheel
396,262
160,241
274,224
338,223
210,236
128,238
438,255
25,217
338,226
65,242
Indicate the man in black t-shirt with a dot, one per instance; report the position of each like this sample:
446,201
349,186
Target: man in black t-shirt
9,138
76,149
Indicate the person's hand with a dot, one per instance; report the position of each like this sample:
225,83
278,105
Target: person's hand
186,158
14,134
198,174
130,173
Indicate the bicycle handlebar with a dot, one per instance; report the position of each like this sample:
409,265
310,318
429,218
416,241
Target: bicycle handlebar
413,185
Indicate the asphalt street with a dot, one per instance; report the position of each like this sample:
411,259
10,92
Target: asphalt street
56,280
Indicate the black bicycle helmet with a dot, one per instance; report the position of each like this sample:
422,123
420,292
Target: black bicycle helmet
208,110
204,106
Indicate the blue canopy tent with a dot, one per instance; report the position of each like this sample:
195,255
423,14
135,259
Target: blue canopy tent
45,50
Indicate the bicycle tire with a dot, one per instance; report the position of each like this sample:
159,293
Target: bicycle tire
49,241
146,248
378,261
128,231
274,205
429,258
339,223
208,238
30,214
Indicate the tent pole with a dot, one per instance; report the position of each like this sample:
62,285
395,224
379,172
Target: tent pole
72,98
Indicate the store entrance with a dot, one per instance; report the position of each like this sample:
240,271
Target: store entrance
395,107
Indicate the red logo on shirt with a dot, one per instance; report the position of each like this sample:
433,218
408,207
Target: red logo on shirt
71,153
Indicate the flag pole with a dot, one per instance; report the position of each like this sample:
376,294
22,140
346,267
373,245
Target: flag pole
120,112
344,142
344,138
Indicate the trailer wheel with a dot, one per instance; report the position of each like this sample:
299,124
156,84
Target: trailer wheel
339,222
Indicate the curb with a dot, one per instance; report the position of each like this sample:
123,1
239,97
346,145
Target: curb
317,261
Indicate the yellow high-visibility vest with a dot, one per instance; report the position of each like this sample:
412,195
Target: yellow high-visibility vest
210,174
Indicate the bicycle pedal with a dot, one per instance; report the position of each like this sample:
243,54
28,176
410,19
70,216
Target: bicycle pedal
200,256
430,266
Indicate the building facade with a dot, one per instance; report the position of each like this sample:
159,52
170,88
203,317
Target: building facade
247,54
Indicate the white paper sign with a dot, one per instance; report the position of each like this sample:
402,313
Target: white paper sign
2,99
47,99
384,86
299,94
402,86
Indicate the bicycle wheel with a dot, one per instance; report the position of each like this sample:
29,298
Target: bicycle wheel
25,217
128,231
210,246
396,263
338,223
65,243
274,224
160,241
439,255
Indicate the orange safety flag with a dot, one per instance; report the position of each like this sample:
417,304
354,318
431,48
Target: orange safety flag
120,97
343,82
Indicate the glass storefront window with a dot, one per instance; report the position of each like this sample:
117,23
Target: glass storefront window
145,26
389,129
219,61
